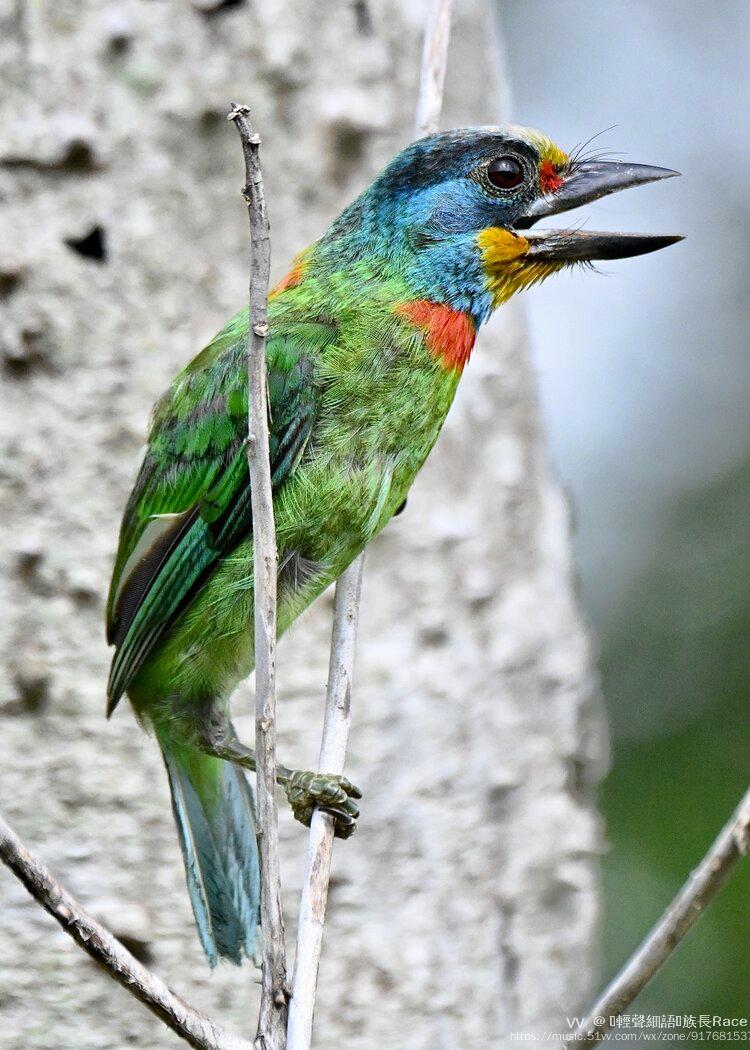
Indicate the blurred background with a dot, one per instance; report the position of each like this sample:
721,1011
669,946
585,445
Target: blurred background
645,383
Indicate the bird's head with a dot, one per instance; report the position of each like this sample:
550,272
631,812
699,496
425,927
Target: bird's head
460,206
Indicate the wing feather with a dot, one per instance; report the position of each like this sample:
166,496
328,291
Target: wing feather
191,503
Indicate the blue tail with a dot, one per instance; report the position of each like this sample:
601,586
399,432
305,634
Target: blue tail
215,814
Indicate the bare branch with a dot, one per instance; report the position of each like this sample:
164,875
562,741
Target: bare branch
194,1027
345,618
320,848
273,1007
679,918
434,64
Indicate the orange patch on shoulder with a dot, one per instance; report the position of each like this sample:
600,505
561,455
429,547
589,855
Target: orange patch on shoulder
291,279
549,179
449,334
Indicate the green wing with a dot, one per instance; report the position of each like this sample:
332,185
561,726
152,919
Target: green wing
190,506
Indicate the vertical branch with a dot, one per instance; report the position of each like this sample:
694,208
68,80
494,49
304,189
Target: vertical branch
273,1007
320,848
345,618
434,65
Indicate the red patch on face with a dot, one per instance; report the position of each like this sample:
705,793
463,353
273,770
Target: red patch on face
290,280
449,334
549,180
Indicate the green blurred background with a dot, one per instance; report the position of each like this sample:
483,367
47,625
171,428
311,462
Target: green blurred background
645,386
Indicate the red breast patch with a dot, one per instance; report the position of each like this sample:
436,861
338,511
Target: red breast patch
449,334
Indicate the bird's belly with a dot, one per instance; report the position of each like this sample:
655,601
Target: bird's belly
331,507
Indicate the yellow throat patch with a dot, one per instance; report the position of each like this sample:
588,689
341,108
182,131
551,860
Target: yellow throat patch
506,266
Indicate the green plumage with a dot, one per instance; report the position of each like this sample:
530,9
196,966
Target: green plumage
355,406
368,336
355,403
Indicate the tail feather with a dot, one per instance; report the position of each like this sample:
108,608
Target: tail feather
215,815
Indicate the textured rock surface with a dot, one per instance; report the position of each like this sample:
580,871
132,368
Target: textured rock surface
465,907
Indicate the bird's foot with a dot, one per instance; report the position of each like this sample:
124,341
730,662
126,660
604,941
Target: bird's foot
329,793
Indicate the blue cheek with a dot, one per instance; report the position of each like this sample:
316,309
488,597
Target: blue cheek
446,219
451,272
455,207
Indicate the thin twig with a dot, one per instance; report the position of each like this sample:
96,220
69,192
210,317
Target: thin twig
320,848
679,918
190,1024
273,1006
434,65
345,618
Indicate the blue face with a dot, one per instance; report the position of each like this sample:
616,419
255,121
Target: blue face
436,197
442,190
457,182
430,203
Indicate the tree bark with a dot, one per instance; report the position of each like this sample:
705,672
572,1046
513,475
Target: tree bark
466,904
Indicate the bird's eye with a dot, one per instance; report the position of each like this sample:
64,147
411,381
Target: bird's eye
505,173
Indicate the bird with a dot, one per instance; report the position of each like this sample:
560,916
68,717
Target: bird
369,333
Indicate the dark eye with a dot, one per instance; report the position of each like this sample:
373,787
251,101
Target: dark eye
505,173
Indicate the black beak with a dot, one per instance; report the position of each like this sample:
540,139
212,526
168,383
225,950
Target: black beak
582,245
589,182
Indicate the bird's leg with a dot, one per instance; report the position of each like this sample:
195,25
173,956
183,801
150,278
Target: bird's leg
305,790
328,792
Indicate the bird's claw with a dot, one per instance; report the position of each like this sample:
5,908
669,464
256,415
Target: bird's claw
329,793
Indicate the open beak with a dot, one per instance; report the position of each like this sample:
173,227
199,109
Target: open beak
589,182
